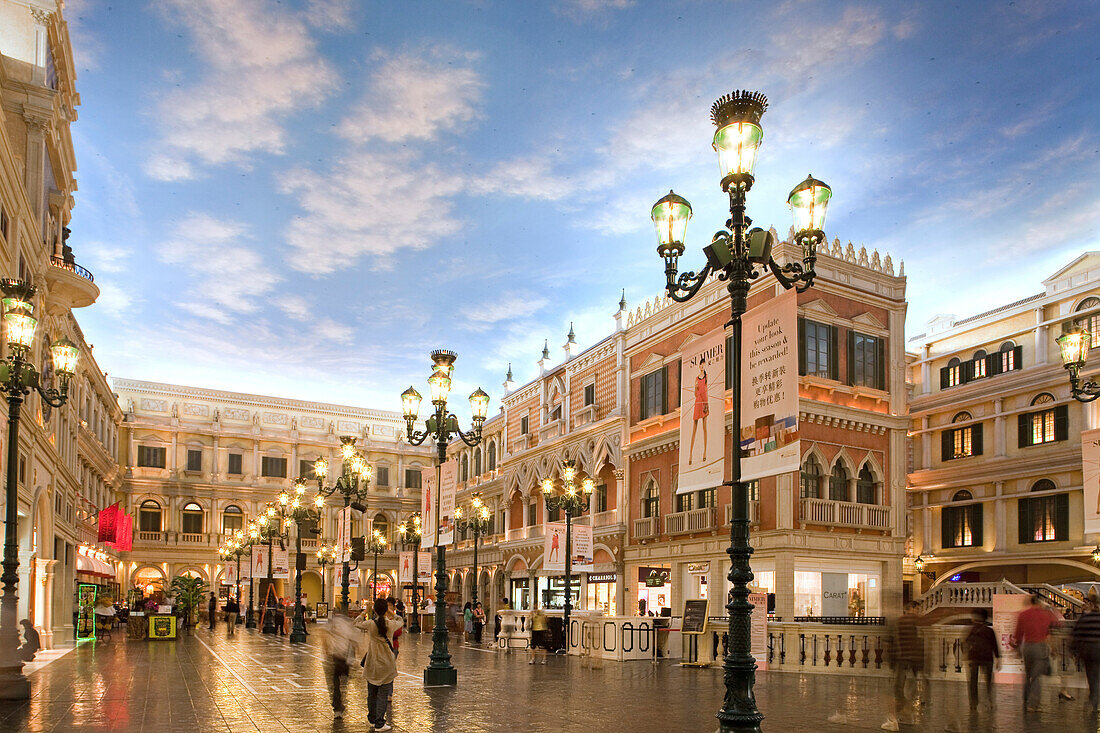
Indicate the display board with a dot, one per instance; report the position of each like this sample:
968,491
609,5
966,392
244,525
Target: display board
162,627
322,610
85,601
695,616
758,634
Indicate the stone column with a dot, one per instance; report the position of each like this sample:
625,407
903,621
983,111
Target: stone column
784,501
1041,337
784,586
43,600
999,516
999,442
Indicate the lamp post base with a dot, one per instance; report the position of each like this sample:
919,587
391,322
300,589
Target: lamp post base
13,685
440,676
251,623
298,637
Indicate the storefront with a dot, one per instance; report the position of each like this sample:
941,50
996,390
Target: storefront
601,592
520,594
551,591
655,590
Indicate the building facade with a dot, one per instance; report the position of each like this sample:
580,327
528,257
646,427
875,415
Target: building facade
198,464
67,456
995,489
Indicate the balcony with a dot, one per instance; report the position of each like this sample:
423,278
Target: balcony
845,514
694,520
71,286
524,533
587,415
551,430
605,519
192,538
150,537
309,544
647,527
754,513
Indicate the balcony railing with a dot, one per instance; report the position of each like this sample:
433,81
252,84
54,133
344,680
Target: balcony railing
845,513
754,513
192,538
150,536
694,520
646,527
605,519
72,267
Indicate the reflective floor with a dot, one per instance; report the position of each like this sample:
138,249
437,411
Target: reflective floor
208,682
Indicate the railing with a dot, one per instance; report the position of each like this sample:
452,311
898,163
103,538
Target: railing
150,536
605,519
964,595
1063,600
846,513
72,267
309,544
754,513
694,520
192,537
646,527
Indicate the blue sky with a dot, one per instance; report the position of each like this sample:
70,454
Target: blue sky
304,198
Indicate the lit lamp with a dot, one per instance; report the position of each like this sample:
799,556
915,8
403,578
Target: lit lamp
670,218
377,546
738,137
353,483
476,520
301,513
918,565
808,203
1096,554
573,503
411,537
1074,346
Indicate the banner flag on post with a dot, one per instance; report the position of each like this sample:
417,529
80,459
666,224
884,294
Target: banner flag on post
425,569
108,524
427,509
280,563
343,533
769,388
703,413
553,547
259,561
405,568
448,486
353,578
1090,469
583,556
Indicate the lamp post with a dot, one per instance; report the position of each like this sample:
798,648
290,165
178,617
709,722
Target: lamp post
478,523
573,502
734,254
354,483
441,426
274,525
1074,345
18,376
253,540
410,535
325,557
377,546
301,512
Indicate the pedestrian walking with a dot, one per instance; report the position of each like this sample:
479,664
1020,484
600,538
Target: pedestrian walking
540,635
232,610
379,662
908,660
400,609
479,622
982,650
391,613
340,643
1033,626
1086,645
280,617
467,622
213,610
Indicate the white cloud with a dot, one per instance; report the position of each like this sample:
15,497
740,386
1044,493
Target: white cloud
416,97
584,11
87,48
505,307
262,65
113,299
331,15
323,328
229,277
529,178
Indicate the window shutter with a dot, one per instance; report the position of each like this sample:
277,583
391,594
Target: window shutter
947,527
976,524
1024,428
944,379
643,410
664,390
1061,517
976,440
834,353
801,347
1018,358
880,361
993,363
946,441
967,372
851,357
1024,521
1061,422
677,394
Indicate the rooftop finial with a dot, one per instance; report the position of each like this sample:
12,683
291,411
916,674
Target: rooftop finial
508,376
622,301
572,336
546,349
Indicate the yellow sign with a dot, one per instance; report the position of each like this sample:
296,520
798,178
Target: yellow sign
162,627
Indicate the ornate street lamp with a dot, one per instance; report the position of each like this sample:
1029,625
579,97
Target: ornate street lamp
377,546
441,426
354,483
326,555
738,255
573,502
410,536
919,564
234,547
478,523
274,526
18,376
1074,345
301,513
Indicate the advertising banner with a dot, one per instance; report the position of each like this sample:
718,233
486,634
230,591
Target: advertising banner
427,508
353,578
343,534
425,570
405,568
108,524
583,555
246,567
1006,606
259,561
280,563
834,594
769,388
230,575
703,413
448,479
553,547
758,636
1090,466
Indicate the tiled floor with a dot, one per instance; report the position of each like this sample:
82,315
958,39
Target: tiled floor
207,682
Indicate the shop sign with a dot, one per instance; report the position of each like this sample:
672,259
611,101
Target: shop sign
698,568
834,594
703,397
758,635
602,578
162,627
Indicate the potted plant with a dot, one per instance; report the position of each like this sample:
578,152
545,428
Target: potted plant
189,592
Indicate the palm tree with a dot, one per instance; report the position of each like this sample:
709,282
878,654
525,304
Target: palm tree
189,592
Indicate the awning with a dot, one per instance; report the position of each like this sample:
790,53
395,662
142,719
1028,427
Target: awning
94,566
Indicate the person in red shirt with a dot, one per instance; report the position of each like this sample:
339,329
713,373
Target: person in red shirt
1032,637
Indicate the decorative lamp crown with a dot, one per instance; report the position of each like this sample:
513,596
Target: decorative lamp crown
444,359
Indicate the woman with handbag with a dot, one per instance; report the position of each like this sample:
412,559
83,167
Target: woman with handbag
379,663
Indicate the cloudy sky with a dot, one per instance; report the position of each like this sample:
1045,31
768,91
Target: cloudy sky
302,198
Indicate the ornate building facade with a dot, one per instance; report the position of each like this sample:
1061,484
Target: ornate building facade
995,488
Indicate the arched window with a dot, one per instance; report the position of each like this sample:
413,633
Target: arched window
838,483
962,417
465,471
809,483
492,455
1046,424
149,516
954,374
1010,356
963,441
865,486
477,461
381,524
1091,322
962,525
1044,518
192,519
980,368
651,500
232,519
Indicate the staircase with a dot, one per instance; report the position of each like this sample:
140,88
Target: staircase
948,598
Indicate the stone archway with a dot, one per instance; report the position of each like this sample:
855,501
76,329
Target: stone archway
1075,564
